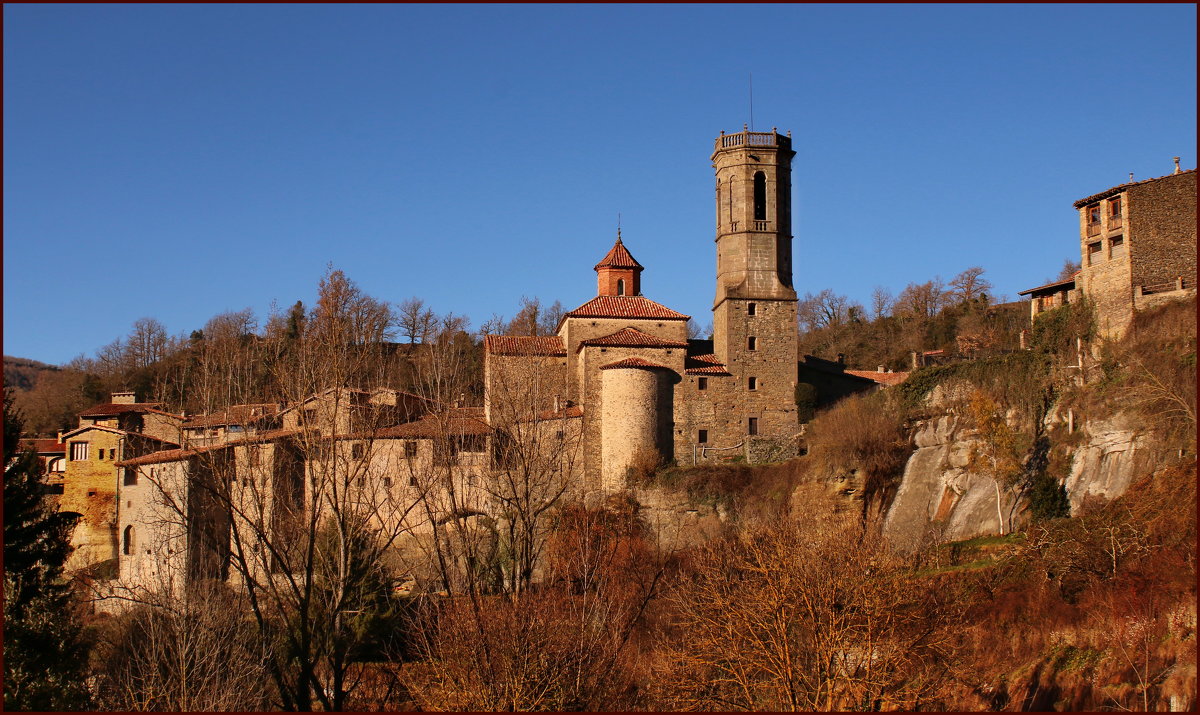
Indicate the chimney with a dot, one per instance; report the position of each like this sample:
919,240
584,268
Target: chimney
1177,169
557,403
841,358
879,369
124,398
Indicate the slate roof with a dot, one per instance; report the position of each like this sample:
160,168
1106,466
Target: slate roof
624,306
632,338
633,362
1122,187
618,257
551,345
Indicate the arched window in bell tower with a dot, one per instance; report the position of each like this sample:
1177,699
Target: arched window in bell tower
620,286
760,196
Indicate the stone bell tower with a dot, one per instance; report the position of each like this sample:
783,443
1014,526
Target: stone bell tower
754,314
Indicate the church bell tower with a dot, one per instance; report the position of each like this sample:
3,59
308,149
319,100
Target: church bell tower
754,314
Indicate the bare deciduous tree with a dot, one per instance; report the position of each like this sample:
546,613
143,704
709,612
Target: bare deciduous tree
969,285
881,302
815,615
822,310
415,320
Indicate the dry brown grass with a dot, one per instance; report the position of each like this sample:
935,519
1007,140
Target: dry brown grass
864,435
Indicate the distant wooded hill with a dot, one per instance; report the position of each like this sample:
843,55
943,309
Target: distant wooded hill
22,373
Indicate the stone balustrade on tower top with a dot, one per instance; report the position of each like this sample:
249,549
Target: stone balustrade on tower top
748,138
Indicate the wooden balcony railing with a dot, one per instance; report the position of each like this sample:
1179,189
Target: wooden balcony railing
1177,284
1093,229
1116,222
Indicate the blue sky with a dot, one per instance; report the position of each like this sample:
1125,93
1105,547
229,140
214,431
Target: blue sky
177,161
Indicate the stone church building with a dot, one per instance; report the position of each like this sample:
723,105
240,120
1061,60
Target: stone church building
624,367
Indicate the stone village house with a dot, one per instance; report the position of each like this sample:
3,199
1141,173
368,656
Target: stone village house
1137,245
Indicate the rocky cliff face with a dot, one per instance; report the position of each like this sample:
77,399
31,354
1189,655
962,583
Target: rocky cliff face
938,496
1114,453
938,491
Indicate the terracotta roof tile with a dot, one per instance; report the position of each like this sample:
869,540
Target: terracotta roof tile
437,426
1121,187
883,378
114,430
618,257
167,455
708,364
524,345
633,362
174,455
43,445
1057,284
624,306
112,408
633,338
234,415
564,413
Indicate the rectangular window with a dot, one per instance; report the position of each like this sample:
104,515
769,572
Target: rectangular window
752,383
358,450
752,426
1116,247
1093,220
702,383
412,481
410,450
1093,253
752,343
752,309
131,476
79,451
112,454
100,454
702,436
387,482
252,455
1114,207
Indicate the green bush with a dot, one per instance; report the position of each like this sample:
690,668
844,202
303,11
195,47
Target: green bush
1048,498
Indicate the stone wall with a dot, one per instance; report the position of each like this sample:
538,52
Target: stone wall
1162,230
576,330
591,397
772,363
1106,279
90,489
630,423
